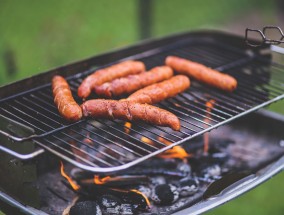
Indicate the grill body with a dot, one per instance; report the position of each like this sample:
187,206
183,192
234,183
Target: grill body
29,117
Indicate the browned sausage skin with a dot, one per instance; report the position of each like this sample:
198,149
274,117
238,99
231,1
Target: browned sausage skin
132,83
160,91
202,73
108,74
130,111
64,100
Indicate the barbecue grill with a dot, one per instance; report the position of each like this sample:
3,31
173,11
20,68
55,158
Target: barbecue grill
29,116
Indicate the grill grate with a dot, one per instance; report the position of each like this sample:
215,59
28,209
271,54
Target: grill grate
106,145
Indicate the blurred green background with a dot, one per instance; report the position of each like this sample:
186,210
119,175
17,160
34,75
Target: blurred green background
36,36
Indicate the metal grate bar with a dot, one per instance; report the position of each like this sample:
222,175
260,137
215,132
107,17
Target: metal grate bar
219,104
188,110
192,107
134,138
202,104
90,147
74,147
68,152
130,143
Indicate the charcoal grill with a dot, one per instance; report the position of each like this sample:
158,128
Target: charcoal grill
259,84
29,115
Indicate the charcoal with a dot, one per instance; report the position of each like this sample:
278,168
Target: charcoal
184,167
212,171
165,194
109,204
145,190
158,180
107,201
127,209
85,208
188,186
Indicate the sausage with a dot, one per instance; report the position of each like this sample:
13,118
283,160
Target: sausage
130,111
64,100
160,91
132,83
202,73
108,74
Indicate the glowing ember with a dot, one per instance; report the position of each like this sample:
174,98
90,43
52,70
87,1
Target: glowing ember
127,126
98,180
209,105
88,139
147,140
74,185
163,140
175,152
142,194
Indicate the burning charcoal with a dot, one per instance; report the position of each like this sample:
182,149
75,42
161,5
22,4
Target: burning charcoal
145,190
221,156
158,180
133,197
184,167
126,209
109,204
212,171
107,201
188,186
85,208
165,194
117,181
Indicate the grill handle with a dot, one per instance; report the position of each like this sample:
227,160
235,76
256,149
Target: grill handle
235,191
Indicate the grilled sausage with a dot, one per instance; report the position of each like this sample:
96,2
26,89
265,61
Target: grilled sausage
160,91
64,100
132,83
202,73
108,74
130,111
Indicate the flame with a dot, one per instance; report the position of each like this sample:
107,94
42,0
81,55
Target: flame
74,185
209,105
175,152
177,105
128,126
147,140
163,140
88,140
98,180
142,194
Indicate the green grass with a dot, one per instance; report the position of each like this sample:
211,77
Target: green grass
266,199
46,34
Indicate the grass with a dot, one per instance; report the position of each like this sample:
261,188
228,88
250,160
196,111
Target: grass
266,199
45,34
